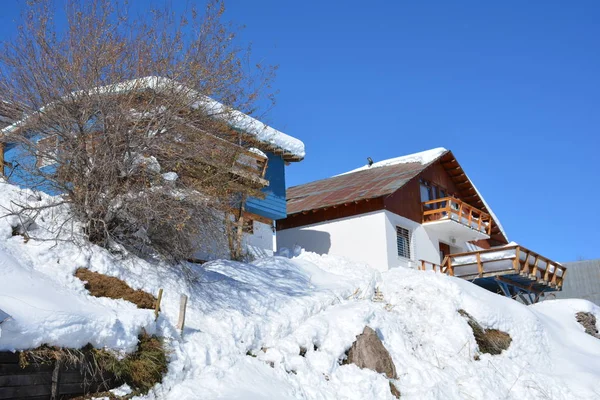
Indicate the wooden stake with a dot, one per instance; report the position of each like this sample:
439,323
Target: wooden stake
55,388
157,305
182,307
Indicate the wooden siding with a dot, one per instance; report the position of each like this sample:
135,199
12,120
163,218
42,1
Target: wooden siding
36,380
406,201
330,213
273,206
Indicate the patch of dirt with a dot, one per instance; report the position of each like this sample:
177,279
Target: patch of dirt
107,286
588,321
490,341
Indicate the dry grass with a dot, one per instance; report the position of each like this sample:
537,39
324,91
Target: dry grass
142,369
490,341
107,286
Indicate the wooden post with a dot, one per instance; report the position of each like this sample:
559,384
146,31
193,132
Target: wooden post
182,307
55,390
450,267
157,305
2,159
517,261
479,265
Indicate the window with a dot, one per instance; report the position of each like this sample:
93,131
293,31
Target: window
403,242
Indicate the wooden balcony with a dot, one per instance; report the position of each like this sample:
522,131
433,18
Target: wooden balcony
452,218
252,166
243,163
515,265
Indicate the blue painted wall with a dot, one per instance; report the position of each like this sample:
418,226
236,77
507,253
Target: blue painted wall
273,206
19,163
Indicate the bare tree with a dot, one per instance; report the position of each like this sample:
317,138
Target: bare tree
119,118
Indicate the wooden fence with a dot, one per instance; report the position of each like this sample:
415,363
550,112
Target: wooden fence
47,381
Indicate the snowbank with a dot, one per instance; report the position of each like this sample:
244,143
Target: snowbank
278,327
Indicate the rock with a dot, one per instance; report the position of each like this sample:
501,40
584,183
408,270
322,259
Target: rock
368,352
394,390
588,321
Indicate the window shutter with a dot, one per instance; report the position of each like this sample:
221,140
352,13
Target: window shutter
403,242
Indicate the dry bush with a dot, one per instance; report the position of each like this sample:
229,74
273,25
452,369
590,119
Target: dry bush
126,100
100,285
490,341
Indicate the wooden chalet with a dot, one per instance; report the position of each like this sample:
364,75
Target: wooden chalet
420,211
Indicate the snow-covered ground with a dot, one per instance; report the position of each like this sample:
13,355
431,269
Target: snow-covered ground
246,324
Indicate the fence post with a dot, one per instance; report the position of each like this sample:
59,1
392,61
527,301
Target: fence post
157,304
182,307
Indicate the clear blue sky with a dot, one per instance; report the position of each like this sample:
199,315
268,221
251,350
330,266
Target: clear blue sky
511,87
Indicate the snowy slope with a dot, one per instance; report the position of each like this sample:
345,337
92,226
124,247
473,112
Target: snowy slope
246,324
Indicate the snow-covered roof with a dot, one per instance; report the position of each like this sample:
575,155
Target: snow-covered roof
262,132
423,157
379,179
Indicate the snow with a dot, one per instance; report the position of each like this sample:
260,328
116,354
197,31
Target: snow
424,158
237,119
170,176
246,324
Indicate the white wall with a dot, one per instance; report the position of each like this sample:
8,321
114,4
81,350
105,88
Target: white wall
423,245
261,242
361,238
368,238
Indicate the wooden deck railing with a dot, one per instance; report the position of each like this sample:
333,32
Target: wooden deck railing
456,210
430,266
506,260
245,163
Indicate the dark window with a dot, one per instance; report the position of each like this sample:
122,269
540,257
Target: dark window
403,242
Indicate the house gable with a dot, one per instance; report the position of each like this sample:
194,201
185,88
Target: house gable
445,173
393,187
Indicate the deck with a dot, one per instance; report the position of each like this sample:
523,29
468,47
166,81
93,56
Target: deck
451,217
514,265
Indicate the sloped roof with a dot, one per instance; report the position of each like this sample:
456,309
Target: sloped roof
292,148
380,179
384,178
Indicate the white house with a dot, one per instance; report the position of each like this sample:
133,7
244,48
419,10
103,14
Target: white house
418,211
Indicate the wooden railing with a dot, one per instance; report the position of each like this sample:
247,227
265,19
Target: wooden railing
430,266
507,260
251,164
245,163
456,210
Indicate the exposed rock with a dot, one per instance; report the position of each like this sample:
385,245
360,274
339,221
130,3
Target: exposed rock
491,341
368,352
394,390
588,321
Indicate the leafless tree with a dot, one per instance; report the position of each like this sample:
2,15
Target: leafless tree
118,118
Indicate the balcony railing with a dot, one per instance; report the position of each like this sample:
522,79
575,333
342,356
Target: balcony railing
450,208
247,164
515,260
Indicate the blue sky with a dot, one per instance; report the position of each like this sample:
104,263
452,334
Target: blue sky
511,87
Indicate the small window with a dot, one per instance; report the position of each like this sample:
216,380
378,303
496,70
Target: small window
403,242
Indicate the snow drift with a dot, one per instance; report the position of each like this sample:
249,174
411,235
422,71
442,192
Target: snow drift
278,328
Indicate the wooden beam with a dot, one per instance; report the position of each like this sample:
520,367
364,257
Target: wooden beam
2,147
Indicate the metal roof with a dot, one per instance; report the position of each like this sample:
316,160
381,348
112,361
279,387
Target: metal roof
582,281
351,187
